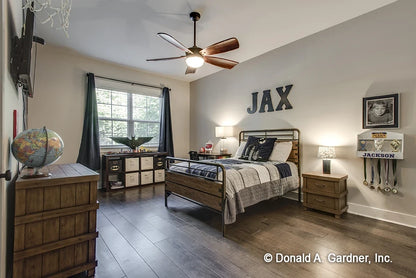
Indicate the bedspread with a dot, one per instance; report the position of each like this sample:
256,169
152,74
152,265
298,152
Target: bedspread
247,182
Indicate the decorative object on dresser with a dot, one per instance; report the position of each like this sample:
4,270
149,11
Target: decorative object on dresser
209,183
133,143
55,223
381,111
122,170
37,148
325,192
223,132
326,153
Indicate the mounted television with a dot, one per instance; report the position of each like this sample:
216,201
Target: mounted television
22,63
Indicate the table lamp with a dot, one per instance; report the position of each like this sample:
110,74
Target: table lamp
223,132
326,153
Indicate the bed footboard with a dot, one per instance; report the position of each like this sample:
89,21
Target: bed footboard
208,192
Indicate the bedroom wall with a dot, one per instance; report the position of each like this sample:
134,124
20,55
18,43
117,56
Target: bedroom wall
331,71
10,99
60,88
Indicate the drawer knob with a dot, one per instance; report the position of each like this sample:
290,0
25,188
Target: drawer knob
320,201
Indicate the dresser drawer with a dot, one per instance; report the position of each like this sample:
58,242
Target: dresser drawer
320,201
324,186
320,185
159,162
147,162
132,179
114,165
159,175
132,164
325,203
146,177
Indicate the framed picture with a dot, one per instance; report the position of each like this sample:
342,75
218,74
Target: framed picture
381,111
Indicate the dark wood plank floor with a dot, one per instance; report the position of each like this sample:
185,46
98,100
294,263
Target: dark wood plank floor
139,237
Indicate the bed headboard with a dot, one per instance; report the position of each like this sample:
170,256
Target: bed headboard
291,134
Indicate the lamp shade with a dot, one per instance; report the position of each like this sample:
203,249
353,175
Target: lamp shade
194,61
326,152
224,131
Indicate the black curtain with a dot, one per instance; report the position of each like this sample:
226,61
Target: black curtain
165,136
89,151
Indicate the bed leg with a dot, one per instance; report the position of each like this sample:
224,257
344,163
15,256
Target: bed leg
223,225
167,193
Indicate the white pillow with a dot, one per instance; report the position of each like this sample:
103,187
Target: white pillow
240,150
281,151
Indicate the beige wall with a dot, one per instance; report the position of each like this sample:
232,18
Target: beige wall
60,89
11,99
331,72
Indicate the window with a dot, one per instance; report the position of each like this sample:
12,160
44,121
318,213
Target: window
122,114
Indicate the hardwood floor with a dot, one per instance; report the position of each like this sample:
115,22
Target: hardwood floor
139,237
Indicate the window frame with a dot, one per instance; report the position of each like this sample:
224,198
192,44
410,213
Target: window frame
130,121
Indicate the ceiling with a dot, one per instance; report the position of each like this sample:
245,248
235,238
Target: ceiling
124,31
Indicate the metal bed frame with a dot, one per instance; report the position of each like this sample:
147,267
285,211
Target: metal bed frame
210,192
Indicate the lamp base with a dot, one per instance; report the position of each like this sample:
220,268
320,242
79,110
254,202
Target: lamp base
326,166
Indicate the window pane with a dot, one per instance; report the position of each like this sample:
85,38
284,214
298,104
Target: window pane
119,112
146,108
120,128
154,131
153,112
119,98
139,113
103,96
139,100
147,130
104,110
140,129
105,131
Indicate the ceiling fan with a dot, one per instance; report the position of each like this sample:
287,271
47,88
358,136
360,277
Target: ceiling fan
195,56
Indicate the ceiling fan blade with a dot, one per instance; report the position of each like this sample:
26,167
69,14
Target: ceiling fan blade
221,47
220,62
190,70
174,42
163,59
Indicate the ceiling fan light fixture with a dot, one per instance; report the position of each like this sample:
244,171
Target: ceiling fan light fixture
194,61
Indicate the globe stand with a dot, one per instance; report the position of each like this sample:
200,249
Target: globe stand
36,174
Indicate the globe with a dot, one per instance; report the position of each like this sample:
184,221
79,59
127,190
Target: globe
37,148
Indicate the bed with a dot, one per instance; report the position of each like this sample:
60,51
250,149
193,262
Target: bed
228,186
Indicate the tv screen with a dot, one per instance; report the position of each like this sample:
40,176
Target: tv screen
26,69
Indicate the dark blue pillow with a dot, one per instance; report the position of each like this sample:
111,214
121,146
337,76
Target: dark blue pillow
258,149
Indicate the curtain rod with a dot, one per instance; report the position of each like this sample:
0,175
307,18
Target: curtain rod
128,82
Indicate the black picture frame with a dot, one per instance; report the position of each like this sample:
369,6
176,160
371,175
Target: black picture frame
381,111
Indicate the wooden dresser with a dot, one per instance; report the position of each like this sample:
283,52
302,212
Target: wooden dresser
325,192
55,223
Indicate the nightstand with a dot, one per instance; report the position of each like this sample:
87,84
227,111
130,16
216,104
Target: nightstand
325,192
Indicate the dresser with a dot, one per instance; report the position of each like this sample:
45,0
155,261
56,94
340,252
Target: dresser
125,170
325,192
55,223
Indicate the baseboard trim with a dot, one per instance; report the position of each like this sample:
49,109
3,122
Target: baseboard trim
399,218
382,214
